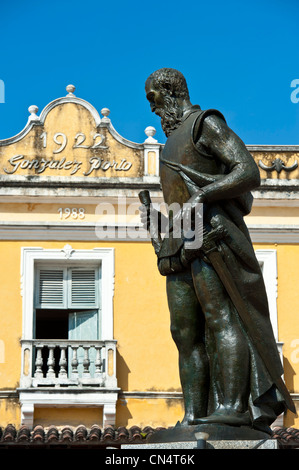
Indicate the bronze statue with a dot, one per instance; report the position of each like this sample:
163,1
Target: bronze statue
229,365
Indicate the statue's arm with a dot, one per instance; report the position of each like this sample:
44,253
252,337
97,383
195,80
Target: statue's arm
242,172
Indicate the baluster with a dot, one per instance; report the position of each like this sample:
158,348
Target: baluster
75,361
39,363
86,361
51,362
98,362
62,363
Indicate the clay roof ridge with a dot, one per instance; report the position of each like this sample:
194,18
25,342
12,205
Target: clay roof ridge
104,436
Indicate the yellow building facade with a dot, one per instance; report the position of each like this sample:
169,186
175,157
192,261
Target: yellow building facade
84,322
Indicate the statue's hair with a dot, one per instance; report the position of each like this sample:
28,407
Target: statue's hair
171,82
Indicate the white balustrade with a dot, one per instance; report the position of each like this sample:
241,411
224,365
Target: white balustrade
60,363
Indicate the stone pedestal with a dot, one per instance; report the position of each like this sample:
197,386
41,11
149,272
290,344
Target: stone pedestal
214,432
209,436
192,445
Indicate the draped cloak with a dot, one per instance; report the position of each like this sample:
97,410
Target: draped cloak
266,402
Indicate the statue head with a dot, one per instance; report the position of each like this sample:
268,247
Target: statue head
167,91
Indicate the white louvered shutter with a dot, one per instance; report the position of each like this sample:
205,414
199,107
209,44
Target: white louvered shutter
51,288
83,288
67,288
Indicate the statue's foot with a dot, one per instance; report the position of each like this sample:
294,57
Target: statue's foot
186,421
225,416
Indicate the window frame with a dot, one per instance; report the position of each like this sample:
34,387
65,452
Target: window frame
35,256
268,259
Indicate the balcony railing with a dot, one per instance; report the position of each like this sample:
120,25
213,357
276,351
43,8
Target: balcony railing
68,363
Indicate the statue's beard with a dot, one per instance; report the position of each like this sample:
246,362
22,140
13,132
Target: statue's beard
171,115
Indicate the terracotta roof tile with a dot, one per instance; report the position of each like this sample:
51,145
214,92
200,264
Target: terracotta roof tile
9,434
52,434
109,436
23,434
67,434
287,437
95,433
81,433
38,434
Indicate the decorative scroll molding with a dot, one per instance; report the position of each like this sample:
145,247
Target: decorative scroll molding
278,165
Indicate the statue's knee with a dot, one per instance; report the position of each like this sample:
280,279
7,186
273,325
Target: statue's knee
175,333
184,338
214,319
219,320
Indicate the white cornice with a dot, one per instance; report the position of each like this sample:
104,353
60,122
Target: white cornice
83,231
267,233
259,202
272,148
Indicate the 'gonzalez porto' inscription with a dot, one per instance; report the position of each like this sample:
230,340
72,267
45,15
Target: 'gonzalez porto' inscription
40,165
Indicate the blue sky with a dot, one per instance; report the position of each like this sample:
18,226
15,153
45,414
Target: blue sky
238,57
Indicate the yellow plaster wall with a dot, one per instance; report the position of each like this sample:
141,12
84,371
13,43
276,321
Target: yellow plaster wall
287,308
10,412
73,417
76,213
11,315
273,215
146,357
149,412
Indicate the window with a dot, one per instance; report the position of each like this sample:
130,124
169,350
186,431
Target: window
67,293
67,306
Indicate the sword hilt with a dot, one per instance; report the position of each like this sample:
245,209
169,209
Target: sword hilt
208,244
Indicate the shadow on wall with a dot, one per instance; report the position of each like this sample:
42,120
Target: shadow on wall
122,372
290,374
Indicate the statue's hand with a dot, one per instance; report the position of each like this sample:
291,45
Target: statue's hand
192,206
152,218
145,216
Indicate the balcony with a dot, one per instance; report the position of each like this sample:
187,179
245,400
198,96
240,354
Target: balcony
68,373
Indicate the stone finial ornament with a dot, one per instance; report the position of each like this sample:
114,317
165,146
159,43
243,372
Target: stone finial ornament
105,112
33,109
150,131
70,89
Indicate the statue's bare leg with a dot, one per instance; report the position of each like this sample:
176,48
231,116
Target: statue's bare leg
187,328
230,344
